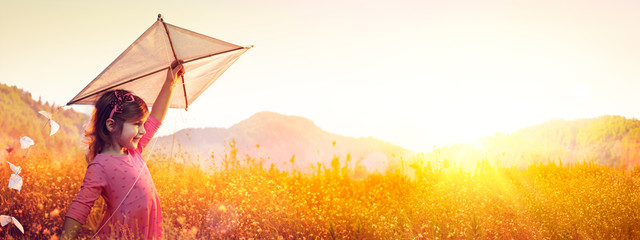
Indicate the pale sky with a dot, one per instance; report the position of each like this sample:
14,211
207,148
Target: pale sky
417,74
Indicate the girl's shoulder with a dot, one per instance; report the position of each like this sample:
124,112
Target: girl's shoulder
104,159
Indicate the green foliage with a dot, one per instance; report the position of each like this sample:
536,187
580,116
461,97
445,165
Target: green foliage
19,117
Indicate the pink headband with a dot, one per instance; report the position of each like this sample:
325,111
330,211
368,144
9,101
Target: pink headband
116,104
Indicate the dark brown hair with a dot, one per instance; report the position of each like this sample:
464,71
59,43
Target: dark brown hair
98,136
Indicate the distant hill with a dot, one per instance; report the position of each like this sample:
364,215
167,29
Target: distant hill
606,140
19,117
276,138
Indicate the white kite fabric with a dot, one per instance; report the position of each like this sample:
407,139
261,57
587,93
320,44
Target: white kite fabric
142,68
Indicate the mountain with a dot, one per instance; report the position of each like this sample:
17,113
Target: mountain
277,138
19,117
606,140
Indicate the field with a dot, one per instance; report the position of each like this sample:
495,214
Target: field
243,200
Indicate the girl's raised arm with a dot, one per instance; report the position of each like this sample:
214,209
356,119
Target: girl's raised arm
160,106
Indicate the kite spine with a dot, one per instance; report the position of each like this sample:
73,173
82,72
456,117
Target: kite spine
184,88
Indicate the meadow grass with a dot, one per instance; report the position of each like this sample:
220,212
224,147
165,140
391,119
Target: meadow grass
243,200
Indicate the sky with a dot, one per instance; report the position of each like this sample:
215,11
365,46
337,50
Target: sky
418,74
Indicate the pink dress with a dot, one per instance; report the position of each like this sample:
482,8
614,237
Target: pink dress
111,177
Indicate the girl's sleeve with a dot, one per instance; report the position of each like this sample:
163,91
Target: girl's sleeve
151,127
92,187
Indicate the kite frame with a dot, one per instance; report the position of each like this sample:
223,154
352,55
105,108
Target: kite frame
186,100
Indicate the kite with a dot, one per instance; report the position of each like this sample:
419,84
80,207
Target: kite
142,67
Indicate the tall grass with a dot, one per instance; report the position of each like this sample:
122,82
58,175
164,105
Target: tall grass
243,200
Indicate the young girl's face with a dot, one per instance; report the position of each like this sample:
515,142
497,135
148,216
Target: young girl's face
131,133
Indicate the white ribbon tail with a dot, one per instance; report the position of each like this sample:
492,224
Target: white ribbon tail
4,220
15,182
14,168
15,222
54,127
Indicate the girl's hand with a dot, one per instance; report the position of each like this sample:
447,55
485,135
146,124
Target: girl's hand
160,106
177,71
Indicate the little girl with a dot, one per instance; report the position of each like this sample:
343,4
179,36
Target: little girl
121,127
